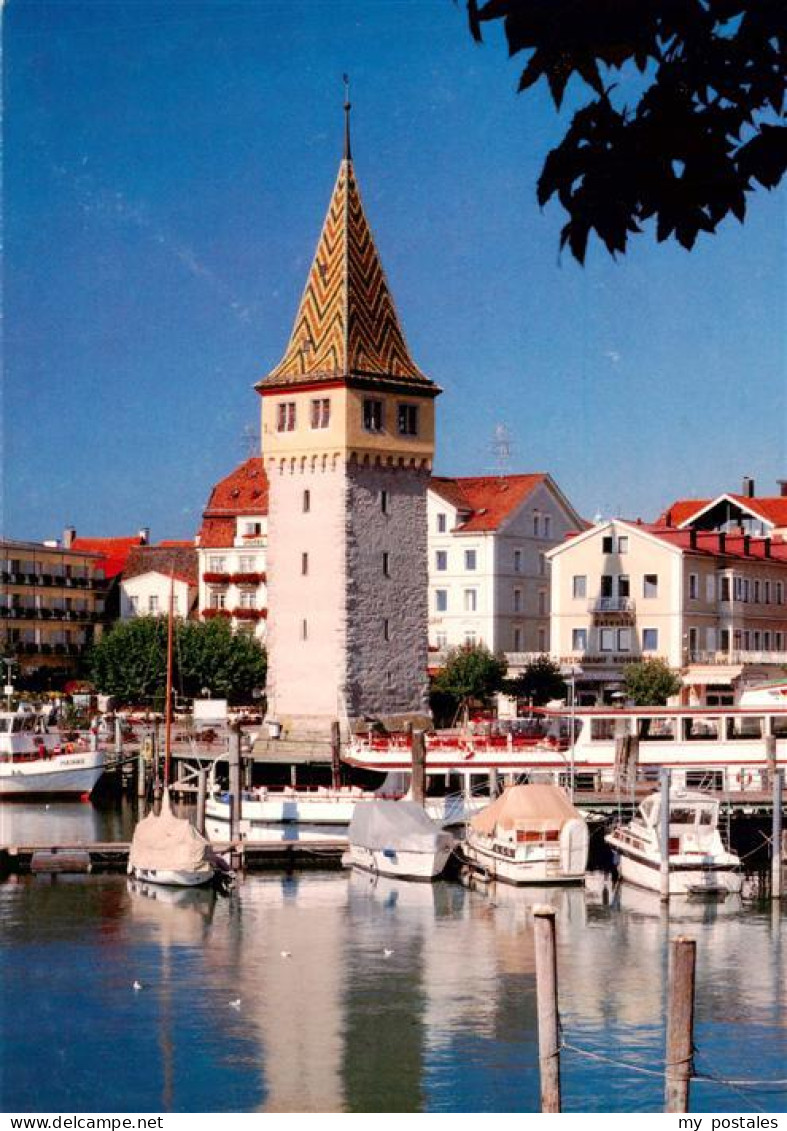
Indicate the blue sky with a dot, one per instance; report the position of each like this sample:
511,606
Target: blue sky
167,170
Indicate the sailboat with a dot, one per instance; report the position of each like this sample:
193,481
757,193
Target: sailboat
167,849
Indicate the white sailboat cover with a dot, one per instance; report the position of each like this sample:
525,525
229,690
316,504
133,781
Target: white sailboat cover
399,825
169,843
537,808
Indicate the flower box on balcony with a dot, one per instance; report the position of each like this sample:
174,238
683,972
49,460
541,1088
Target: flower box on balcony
246,578
210,614
214,578
246,614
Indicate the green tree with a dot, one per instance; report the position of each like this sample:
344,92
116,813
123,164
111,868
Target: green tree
698,127
650,683
130,661
539,682
471,673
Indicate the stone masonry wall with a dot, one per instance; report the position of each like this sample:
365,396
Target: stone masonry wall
386,676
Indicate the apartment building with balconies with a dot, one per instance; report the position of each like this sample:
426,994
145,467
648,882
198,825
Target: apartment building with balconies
488,566
709,603
232,548
52,607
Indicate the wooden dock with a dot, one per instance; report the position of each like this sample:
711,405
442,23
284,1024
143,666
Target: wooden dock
113,856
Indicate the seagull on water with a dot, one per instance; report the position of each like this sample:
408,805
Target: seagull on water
136,985
286,954
236,1003
387,952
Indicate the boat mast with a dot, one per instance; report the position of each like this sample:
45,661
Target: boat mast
168,706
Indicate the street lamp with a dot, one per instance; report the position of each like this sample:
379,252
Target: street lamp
9,687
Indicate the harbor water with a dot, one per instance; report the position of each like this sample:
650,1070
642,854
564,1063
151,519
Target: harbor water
329,991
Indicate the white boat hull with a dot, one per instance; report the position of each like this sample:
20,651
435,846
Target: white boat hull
402,865
536,869
171,878
333,808
686,876
73,774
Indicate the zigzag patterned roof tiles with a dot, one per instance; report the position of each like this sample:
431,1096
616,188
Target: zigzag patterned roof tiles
346,325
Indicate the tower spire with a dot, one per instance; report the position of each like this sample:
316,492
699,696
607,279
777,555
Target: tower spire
347,108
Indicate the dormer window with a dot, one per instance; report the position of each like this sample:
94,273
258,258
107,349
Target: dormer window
372,415
408,419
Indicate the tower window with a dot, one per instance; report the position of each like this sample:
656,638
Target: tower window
304,629
372,415
386,629
386,563
304,563
307,501
285,418
384,502
408,419
321,413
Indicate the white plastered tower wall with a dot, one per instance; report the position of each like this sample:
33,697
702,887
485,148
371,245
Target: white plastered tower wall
347,443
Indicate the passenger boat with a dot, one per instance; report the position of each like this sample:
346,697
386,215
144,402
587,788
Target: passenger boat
398,839
35,760
531,834
705,747
698,861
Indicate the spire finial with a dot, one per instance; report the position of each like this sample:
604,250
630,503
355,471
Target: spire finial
347,108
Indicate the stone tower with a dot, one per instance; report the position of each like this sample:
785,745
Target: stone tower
348,443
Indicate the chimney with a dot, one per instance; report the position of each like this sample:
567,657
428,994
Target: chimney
722,542
69,534
766,547
747,544
144,536
782,485
692,539
668,518
748,487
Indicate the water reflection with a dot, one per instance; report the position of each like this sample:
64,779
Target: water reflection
335,992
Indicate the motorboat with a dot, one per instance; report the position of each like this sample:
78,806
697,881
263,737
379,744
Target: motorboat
36,760
397,838
531,834
698,861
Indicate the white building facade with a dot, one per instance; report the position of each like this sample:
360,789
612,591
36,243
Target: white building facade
488,567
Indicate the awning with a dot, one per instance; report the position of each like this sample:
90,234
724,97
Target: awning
700,675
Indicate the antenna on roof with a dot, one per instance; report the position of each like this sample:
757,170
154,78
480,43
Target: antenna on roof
501,449
250,441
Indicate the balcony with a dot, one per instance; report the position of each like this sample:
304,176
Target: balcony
213,577
612,610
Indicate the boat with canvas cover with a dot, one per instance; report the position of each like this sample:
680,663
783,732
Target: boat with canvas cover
397,838
531,834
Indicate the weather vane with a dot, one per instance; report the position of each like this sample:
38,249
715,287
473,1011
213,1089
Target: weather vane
347,108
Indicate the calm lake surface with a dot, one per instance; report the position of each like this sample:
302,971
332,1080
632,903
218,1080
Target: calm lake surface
446,1022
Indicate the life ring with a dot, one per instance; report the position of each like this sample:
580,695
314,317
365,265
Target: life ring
69,748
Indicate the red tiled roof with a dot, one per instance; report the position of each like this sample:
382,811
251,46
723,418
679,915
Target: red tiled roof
243,491
772,509
180,559
114,551
487,500
708,543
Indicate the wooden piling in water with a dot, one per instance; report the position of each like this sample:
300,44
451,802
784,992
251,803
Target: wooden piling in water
235,781
776,835
546,994
664,778
336,755
418,789
142,787
202,797
680,1024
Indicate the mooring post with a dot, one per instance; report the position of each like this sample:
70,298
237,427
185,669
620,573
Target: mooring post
336,755
418,788
235,780
776,835
546,995
141,783
680,1024
770,759
202,797
118,738
664,776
